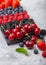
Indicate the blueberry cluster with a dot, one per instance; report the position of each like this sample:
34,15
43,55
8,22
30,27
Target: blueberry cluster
10,10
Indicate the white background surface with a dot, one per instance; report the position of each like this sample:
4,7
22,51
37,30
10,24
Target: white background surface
8,56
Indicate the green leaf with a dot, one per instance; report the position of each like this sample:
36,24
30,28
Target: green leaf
22,50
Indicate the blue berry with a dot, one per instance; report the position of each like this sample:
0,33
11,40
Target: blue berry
12,11
1,12
10,8
20,9
43,32
9,11
16,10
21,44
5,11
41,36
35,51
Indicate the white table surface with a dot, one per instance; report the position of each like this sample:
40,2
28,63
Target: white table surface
8,56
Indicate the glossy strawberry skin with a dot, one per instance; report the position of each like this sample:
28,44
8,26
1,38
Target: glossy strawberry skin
41,45
15,3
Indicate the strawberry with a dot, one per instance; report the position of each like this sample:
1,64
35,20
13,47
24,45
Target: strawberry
44,54
1,6
15,3
41,44
7,3
1,1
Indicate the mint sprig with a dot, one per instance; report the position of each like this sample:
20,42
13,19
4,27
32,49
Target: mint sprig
22,50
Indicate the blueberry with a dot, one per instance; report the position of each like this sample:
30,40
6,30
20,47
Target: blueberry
16,10
35,51
12,11
43,32
1,12
5,11
41,36
21,44
10,8
20,9
9,11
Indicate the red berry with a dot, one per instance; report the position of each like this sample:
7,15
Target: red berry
21,13
29,44
7,32
5,18
26,26
4,22
41,45
11,37
34,26
25,12
10,18
26,16
19,35
20,18
15,30
37,31
44,54
34,38
15,16
1,16
1,21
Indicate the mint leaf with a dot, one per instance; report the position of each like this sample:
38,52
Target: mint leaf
22,50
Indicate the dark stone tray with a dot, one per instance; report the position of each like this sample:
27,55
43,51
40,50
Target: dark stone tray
15,41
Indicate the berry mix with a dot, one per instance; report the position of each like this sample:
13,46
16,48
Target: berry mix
17,26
